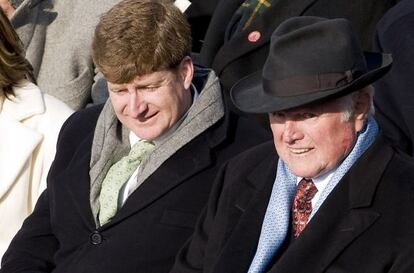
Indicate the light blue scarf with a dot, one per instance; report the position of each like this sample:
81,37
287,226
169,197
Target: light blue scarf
276,221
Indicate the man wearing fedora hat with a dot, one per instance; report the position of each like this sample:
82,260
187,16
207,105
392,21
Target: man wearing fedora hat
328,194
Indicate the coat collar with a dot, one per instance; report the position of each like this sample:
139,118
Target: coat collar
27,102
265,25
17,138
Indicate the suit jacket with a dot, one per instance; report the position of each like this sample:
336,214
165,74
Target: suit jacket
365,224
57,37
144,236
237,57
29,126
394,92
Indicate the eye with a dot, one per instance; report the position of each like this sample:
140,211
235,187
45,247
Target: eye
277,117
148,89
308,115
278,114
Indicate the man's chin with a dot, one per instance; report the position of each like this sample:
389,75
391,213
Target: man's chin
148,133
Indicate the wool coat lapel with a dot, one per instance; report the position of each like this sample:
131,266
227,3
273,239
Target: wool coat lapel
17,140
344,215
265,25
246,217
76,180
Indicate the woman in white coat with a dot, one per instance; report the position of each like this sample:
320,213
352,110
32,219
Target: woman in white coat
29,125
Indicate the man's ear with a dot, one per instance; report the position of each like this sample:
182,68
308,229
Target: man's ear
362,103
187,71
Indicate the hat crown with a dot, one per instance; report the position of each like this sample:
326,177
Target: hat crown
310,59
312,46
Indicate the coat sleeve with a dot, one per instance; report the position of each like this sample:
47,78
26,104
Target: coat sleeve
33,247
192,257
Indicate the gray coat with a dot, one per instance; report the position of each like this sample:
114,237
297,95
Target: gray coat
57,36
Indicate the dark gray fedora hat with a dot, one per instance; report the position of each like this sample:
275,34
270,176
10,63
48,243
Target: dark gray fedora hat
310,59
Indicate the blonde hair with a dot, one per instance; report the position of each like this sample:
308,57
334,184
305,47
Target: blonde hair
137,37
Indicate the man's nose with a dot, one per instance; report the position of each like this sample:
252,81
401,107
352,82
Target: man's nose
136,104
291,132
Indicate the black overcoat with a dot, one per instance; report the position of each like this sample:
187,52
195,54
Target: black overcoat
365,225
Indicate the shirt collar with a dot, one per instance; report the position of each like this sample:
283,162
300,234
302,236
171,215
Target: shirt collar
320,181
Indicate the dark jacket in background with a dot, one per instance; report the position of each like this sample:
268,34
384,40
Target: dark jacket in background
394,95
199,15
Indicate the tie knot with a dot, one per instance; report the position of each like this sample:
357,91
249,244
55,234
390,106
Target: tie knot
139,150
306,189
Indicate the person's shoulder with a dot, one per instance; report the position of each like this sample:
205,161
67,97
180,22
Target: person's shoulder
401,12
56,107
80,124
398,172
86,117
405,164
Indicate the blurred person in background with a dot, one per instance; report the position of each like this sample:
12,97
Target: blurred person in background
56,36
29,125
394,97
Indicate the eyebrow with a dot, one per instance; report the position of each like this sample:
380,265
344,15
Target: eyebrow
115,88
156,83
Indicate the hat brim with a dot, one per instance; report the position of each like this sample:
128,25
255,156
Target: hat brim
248,94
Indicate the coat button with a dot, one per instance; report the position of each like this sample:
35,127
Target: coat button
96,238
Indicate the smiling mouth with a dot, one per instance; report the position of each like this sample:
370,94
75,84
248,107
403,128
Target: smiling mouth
299,151
147,117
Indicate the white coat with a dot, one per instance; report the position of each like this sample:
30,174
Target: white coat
29,126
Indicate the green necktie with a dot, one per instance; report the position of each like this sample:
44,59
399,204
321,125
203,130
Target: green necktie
117,175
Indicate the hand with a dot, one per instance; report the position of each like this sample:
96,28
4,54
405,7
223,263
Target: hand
7,8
